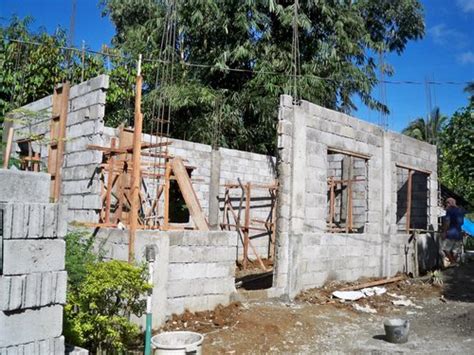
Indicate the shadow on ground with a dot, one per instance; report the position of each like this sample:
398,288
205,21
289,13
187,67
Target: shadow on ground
459,283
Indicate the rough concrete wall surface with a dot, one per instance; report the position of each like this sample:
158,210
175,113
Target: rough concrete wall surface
32,278
307,254
194,270
85,124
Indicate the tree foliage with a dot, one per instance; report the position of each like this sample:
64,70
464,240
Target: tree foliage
338,43
428,130
457,153
30,68
33,63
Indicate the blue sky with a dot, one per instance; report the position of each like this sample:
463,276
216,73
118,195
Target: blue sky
446,53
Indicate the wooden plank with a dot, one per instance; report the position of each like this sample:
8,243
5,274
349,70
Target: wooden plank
331,203
349,152
349,197
189,195
254,186
373,283
126,149
166,205
245,228
53,146
58,138
409,197
61,139
247,224
125,138
239,229
404,166
346,169
110,180
273,235
36,162
8,148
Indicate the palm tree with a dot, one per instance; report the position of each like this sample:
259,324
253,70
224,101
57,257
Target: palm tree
470,90
427,130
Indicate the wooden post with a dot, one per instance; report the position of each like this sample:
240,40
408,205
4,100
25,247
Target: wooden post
123,181
273,223
58,138
247,224
409,191
110,180
166,205
36,162
8,148
331,201
136,164
62,139
349,198
224,215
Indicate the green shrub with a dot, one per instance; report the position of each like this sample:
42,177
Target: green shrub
101,297
79,255
97,315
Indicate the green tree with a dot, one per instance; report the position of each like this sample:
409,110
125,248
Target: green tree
33,63
457,153
428,130
338,43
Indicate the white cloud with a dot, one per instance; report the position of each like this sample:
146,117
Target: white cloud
443,35
466,5
467,58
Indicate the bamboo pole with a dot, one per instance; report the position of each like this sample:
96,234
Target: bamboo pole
135,185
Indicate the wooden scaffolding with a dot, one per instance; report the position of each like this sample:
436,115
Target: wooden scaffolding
237,215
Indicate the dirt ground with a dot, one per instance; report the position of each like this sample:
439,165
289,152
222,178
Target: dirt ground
441,321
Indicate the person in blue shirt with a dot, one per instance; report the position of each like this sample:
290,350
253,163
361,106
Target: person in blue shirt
452,232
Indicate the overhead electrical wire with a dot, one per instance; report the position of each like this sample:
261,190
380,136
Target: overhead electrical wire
211,66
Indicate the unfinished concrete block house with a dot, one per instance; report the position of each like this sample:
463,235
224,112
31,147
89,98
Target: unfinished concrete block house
343,199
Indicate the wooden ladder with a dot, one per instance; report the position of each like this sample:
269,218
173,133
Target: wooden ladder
58,136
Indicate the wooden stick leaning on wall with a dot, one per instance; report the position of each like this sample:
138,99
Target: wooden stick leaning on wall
189,195
136,164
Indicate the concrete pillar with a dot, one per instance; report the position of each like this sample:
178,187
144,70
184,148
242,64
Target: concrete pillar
297,198
214,189
386,220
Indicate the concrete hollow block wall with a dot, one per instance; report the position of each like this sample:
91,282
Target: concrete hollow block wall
81,185
32,275
194,270
312,142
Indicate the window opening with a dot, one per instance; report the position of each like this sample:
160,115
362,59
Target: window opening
412,199
347,192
